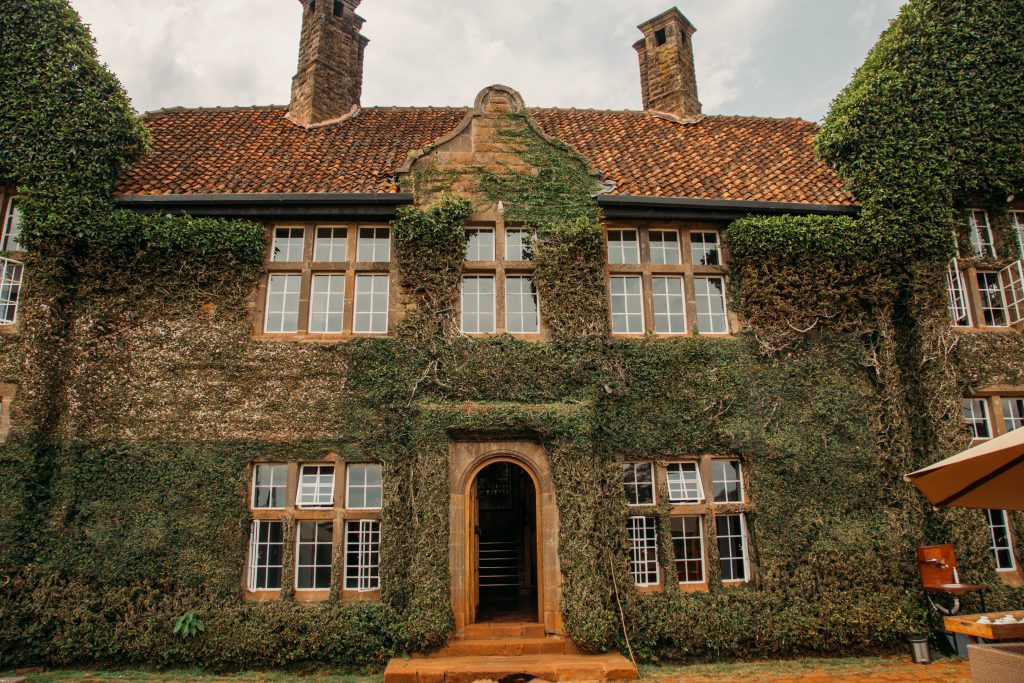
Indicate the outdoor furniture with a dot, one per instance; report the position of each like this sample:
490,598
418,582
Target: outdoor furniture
997,663
969,626
936,564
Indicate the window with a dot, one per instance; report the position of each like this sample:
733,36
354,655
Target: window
266,553
371,304
726,481
327,306
684,485
338,8
993,307
959,310
669,305
9,236
331,245
638,480
665,247
522,305
1013,414
316,486
660,37
981,233
999,528
289,245
315,555
10,289
976,415
269,487
364,490
623,247
478,315
480,244
283,293
688,548
374,245
627,304
362,555
732,546
518,245
711,314
704,249
643,550
1017,218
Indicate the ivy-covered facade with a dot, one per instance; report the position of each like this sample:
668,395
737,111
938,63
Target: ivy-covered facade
295,377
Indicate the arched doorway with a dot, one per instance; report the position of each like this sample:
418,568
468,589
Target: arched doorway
504,544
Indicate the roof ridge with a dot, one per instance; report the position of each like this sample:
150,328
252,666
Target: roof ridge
251,107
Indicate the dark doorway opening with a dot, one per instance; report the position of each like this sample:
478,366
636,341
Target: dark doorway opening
506,540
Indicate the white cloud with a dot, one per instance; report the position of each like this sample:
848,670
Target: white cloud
556,52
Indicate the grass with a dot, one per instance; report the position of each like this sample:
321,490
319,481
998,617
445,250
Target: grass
194,675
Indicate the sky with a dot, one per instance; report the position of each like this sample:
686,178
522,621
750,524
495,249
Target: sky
753,57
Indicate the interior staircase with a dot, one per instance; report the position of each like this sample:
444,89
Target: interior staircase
514,651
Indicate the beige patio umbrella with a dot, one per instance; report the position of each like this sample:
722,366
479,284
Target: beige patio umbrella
989,475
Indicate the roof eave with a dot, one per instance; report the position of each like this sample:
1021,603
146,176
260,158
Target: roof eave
288,205
643,207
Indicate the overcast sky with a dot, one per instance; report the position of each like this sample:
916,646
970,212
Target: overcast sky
755,57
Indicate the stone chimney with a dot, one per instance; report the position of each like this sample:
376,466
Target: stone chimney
667,76
329,81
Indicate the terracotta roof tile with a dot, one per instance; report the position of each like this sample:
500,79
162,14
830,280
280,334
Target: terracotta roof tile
201,151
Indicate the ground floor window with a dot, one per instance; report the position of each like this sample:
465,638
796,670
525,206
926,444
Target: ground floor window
314,556
266,553
362,555
10,290
688,546
732,546
643,550
999,529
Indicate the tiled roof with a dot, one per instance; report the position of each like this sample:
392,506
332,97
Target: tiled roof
211,151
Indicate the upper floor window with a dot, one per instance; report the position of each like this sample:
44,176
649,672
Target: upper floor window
1017,219
522,305
1013,413
364,489
478,304
518,245
11,233
638,480
10,290
331,245
705,249
623,247
374,245
976,416
981,233
316,486
269,487
1002,547
289,245
684,485
665,247
727,481
480,244
498,293
993,298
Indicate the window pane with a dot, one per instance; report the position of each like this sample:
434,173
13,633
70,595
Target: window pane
711,315
480,244
643,550
684,485
362,555
371,304
331,245
704,249
522,306
726,481
270,484
316,486
981,234
374,245
731,547
265,553
993,307
638,482
11,233
289,244
623,247
478,304
314,557
976,416
327,304
364,487
283,303
627,305
999,529
1013,413
518,245
669,305
959,312
665,247
10,290
688,547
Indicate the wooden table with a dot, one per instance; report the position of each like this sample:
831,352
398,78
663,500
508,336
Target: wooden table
969,626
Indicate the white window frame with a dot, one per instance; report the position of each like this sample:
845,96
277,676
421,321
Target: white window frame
291,229
700,538
972,419
992,288
470,232
626,298
958,297
744,544
12,275
1013,413
521,316
1011,279
704,247
331,248
478,310
317,487
739,480
315,543
995,547
290,280
327,298
254,547
621,249
982,248
374,247
680,486
1018,223
374,279
655,295
10,236
283,486
643,538
725,303
661,250
364,486
637,485
367,547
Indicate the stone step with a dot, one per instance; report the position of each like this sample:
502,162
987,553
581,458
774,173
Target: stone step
507,647
606,667
490,630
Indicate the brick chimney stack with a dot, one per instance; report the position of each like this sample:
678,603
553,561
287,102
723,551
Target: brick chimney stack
667,75
329,81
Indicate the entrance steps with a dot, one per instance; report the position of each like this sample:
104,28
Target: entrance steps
496,651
